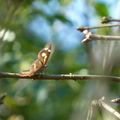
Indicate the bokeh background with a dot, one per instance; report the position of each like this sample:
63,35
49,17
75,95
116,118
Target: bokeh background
25,27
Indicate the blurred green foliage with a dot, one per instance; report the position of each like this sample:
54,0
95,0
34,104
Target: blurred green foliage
25,27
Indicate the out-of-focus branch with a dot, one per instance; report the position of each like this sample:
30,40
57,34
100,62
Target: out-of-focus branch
62,77
89,36
81,28
109,108
2,96
116,100
101,102
109,19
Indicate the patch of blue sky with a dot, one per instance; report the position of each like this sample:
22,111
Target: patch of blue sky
41,28
77,12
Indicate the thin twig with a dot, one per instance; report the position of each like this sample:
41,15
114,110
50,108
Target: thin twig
62,77
90,37
109,19
81,28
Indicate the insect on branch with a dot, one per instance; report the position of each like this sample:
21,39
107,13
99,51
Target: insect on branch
61,77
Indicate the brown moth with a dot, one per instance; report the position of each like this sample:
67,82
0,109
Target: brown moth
39,65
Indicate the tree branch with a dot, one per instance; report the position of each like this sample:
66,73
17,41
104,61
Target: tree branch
62,77
109,108
101,102
81,28
90,37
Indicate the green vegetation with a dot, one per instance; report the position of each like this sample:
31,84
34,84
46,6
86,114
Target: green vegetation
25,27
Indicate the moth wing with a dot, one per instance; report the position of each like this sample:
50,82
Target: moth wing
44,54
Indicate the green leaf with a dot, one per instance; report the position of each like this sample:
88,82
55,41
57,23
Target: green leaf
101,9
